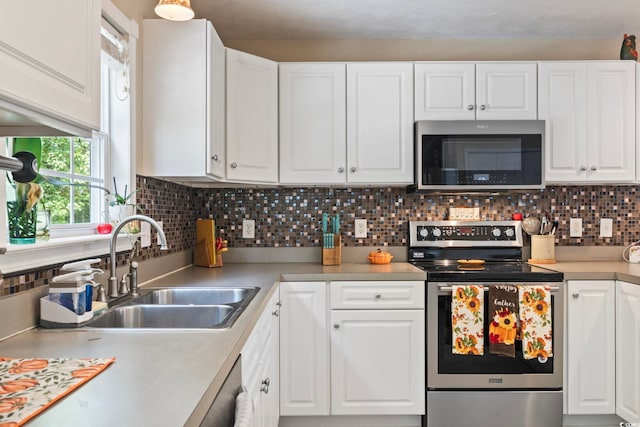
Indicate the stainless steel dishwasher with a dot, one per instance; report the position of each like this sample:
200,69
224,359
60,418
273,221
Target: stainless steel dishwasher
222,411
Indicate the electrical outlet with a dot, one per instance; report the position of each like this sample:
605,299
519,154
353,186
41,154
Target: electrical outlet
361,228
248,229
575,227
606,227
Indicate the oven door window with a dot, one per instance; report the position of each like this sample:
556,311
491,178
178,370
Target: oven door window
449,363
481,159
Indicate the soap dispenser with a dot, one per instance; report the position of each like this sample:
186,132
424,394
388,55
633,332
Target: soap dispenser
67,304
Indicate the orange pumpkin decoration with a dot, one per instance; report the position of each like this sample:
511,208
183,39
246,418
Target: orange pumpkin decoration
380,257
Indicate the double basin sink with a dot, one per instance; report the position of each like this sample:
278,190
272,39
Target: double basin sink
178,308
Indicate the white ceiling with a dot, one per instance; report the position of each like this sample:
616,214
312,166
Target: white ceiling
417,19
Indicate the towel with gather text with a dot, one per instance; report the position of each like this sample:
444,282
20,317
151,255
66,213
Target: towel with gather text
503,312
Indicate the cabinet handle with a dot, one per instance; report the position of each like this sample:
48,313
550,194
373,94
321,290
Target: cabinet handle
352,169
336,326
583,168
215,158
378,296
470,107
593,168
276,313
234,165
576,295
483,107
340,170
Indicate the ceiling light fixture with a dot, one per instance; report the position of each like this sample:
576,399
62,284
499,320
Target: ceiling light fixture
174,10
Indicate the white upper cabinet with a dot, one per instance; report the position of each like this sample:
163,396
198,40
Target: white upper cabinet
346,124
589,110
468,91
379,123
183,100
312,123
252,118
50,61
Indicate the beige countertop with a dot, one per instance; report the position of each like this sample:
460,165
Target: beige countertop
597,270
166,378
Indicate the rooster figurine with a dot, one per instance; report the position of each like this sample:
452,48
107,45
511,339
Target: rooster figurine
628,49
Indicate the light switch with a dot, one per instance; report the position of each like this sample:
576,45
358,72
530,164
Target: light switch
606,227
575,227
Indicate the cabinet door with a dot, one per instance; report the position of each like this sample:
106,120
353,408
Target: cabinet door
445,91
611,124
252,118
175,74
628,351
304,349
50,61
377,362
380,123
590,347
312,123
562,97
506,91
217,106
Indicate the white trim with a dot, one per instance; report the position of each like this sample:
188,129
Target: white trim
56,251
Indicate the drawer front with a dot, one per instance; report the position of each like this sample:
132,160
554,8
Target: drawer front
377,295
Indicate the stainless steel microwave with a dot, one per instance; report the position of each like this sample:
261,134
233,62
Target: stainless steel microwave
479,155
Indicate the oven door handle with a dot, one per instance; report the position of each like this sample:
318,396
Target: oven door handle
448,288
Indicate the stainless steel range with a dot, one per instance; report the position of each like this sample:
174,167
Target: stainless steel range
484,390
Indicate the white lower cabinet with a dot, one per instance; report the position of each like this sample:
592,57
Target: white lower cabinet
628,351
591,365
260,366
377,362
352,348
304,349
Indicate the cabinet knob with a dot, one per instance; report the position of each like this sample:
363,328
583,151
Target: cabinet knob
378,296
336,326
583,168
215,158
576,295
352,169
593,168
264,388
340,170
234,165
279,303
276,313
483,107
470,107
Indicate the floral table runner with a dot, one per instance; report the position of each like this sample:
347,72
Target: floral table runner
29,386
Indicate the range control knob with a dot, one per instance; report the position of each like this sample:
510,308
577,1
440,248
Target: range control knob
509,232
424,232
436,232
496,232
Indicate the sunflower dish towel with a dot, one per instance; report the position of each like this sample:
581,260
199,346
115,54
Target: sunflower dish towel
503,312
535,322
467,319
29,386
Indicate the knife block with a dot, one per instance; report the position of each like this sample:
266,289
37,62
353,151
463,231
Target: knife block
333,256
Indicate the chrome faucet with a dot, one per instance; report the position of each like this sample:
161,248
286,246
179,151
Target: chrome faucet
113,278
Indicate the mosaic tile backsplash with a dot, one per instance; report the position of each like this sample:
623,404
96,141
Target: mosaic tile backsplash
288,217
291,217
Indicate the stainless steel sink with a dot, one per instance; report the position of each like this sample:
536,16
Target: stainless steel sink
194,296
178,308
165,316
